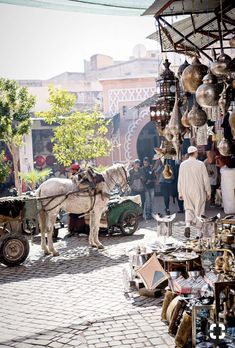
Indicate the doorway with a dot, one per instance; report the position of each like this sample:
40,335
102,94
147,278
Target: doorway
147,140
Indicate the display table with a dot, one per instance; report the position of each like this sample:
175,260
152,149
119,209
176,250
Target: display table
181,261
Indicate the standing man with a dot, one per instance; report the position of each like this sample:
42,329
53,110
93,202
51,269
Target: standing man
137,181
149,188
193,187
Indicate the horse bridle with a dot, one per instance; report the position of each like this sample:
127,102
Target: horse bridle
125,185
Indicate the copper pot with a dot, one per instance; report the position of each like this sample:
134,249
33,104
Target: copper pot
220,66
232,123
192,75
224,147
197,117
208,94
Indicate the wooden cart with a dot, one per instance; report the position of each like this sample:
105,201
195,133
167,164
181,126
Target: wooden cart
16,214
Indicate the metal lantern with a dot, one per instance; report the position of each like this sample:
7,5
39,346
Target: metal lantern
166,86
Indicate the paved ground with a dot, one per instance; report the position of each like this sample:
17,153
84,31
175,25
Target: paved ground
78,298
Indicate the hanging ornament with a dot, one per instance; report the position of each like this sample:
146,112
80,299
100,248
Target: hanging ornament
167,172
207,94
197,117
220,66
224,147
192,75
184,119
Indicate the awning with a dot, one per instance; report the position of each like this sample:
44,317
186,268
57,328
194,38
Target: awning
106,7
198,32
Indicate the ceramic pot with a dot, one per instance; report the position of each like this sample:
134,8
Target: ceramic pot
232,123
192,75
220,66
197,117
224,147
208,94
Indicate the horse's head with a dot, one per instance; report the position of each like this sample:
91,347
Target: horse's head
117,175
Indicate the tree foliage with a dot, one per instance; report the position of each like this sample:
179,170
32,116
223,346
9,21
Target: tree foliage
79,135
35,177
15,121
4,168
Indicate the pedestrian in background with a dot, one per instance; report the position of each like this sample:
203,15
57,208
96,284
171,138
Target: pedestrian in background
150,178
175,167
166,183
212,171
137,181
194,188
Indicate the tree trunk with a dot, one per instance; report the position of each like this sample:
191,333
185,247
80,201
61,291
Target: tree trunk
15,157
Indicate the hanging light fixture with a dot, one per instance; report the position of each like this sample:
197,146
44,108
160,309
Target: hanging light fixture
166,86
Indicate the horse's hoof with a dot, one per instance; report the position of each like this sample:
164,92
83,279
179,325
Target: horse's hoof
47,252
100,246
56,253
93,245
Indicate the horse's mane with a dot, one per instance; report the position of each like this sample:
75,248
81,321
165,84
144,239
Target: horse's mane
113,168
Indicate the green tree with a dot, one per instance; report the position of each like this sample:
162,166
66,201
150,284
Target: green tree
4,168
15,121
79,135
35,177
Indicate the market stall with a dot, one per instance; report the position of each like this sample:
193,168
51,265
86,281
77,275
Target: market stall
196,279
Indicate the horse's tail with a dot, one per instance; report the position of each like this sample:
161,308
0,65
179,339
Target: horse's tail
42,216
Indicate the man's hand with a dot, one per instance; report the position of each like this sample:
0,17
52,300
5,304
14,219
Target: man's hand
181,198
208,196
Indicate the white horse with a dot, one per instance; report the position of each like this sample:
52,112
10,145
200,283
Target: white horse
59,195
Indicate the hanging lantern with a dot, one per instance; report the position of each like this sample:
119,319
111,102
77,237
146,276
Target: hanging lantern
192,75
166,86
220,66
197,117
208,94
40,161
224,147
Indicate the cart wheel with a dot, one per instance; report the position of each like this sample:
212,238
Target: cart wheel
14,249
129,223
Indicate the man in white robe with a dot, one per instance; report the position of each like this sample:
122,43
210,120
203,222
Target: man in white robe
193,188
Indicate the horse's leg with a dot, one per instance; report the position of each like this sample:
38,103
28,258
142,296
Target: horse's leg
50,227
42,225
96,228
91,225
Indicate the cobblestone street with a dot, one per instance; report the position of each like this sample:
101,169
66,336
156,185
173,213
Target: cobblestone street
78,298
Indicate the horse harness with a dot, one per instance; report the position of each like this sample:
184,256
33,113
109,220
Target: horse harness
91,190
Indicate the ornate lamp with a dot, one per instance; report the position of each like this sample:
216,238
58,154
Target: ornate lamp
166,86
